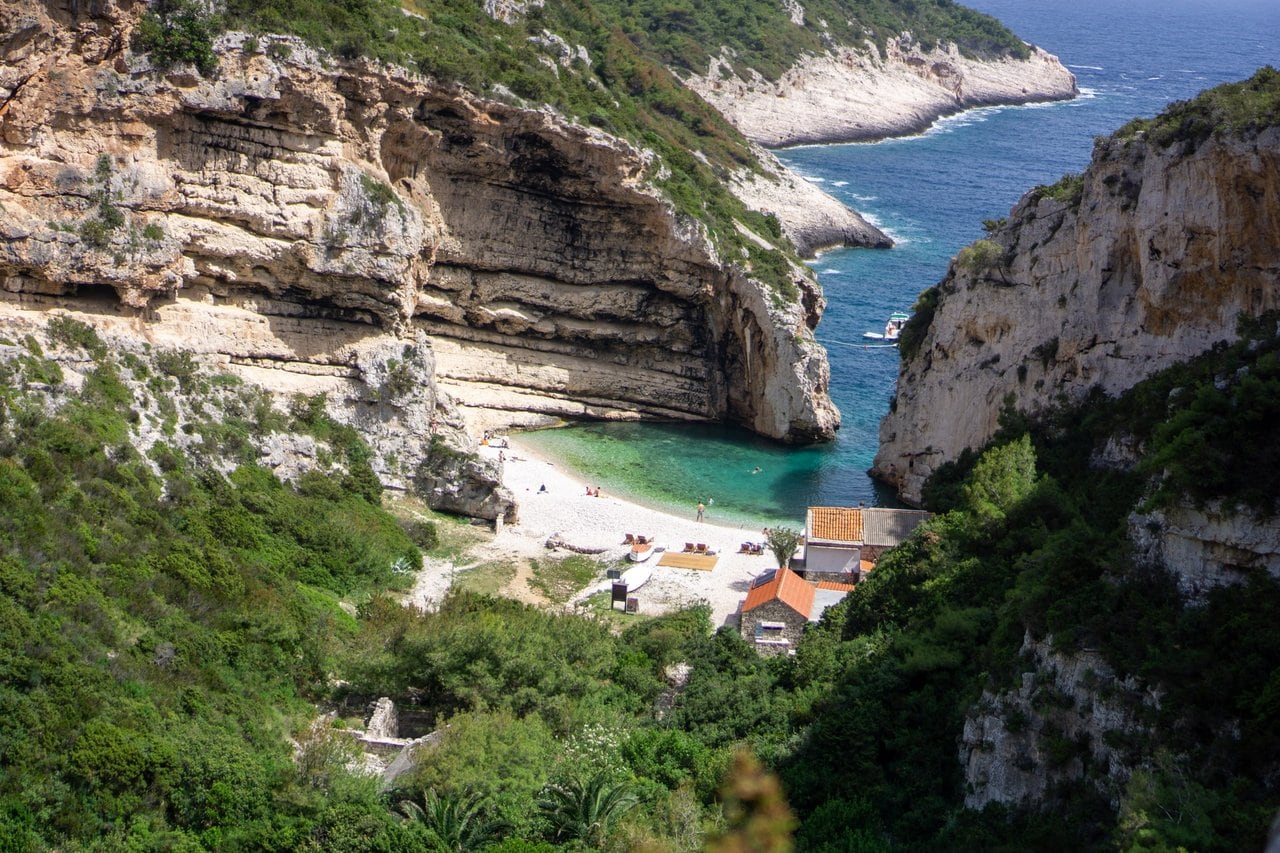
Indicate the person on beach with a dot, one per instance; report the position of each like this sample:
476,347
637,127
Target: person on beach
701,511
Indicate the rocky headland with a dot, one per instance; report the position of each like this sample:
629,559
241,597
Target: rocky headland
858,93
1147,260
290,211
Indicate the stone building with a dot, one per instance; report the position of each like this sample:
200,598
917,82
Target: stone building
776,610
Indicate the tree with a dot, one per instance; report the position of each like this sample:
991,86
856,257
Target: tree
452,824
587,811
1001,478
783,542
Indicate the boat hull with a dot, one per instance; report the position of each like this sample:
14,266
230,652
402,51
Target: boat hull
636,577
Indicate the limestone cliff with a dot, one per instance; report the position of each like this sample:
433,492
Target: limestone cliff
1147,260
1069,719
289,211
850,94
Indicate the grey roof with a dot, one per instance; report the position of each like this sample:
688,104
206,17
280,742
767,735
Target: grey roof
889,527
824,598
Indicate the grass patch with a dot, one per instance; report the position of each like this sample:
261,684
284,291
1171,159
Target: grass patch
486,578
597,606
559,579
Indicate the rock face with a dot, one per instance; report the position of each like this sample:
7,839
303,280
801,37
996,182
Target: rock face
1206,548
852,94
1071,714
811,219
286,213
1164,252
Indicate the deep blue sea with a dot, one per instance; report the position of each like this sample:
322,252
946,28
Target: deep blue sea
931,193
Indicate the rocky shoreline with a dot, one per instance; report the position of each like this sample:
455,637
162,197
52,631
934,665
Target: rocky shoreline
812,219
859,95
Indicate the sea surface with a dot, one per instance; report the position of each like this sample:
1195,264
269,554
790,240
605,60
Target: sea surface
930,193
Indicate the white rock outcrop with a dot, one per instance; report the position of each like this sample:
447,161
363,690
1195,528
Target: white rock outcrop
1206,548
854,93
1069,714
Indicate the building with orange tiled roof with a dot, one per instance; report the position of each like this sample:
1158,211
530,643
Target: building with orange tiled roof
838,539
778,606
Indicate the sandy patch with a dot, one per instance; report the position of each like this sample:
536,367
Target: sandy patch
566,512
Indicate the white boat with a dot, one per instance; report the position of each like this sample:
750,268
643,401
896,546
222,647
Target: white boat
892,329
640,552
636,577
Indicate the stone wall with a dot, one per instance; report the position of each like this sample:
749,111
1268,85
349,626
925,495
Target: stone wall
774,611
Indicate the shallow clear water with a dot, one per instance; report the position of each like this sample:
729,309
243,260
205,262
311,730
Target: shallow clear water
931,193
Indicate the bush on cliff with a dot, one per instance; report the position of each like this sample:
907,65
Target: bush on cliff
177,32
1232,109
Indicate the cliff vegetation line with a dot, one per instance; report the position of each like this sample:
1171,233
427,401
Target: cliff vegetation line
568,57
604,63
1235,109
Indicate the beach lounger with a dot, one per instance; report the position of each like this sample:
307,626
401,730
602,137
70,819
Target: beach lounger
701,549
629,539
642,540
688,547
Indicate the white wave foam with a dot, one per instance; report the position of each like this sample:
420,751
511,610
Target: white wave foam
839,183
898,239
1087,67
814,180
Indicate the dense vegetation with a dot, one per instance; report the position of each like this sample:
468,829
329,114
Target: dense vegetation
170,622
1232,109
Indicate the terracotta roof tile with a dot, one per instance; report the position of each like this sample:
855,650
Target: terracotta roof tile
787,587
839,587
835,523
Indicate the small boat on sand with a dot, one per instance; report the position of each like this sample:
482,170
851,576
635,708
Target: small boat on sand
636,577
892,329
640,551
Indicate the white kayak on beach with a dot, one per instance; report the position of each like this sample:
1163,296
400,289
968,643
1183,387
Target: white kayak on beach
636,577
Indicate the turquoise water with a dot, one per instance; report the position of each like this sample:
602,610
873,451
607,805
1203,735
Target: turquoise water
931,193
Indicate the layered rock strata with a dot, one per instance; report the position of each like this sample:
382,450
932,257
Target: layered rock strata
1165,250
851,94
324,203
1206,548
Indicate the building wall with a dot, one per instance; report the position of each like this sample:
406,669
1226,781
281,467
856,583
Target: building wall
773,611
824,559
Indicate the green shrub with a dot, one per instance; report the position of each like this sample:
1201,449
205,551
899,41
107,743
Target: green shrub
1069,189
1232,109
911,336
178,32
72,333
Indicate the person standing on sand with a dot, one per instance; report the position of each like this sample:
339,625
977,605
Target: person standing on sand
701,511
